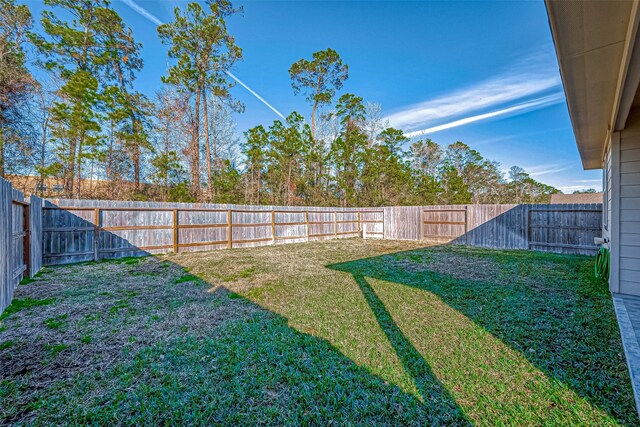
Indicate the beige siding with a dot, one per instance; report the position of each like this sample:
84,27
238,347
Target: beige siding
629,206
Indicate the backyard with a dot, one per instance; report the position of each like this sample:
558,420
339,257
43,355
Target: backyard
339,332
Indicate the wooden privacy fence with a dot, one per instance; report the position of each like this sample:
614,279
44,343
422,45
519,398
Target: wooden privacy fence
555,228
90,230
83,230
20,239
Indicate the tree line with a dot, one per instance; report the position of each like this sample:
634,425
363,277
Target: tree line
83,123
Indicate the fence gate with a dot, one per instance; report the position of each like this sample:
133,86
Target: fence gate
20,240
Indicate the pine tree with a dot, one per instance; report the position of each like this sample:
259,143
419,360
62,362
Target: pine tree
255,150
16,82
348,150
80,52
129,109
319,79
205,52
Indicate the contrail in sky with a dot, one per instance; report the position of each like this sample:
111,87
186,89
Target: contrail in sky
255,94
149,16
142,11
526,106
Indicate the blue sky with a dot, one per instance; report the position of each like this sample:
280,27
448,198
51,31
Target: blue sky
484,73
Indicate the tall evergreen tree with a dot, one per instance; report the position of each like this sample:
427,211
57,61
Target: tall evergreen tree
129,109
255,151
16,82
83,53
205,52
319,79
347,151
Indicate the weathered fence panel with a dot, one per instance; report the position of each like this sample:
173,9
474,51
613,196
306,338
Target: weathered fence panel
6,263
402,223
82,230
18,251
555,228
497,226
35,235
19,236
564,228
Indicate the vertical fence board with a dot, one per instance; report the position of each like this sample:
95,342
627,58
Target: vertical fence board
35,234
6,263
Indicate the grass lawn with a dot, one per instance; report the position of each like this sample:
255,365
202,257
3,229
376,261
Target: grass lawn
339,332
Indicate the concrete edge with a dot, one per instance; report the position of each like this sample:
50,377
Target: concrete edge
630,344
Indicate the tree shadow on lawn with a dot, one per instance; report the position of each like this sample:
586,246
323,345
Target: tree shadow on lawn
516,337
180,352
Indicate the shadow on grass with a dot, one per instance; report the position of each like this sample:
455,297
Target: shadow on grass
546,308
431,390
179,352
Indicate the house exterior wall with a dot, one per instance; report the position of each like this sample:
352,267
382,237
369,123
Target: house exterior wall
606,187
611,220
624,222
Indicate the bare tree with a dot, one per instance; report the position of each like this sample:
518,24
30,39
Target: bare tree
374,121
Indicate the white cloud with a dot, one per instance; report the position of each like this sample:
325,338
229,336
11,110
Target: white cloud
572,188
530,77
590,181
532,105
518,136
547,169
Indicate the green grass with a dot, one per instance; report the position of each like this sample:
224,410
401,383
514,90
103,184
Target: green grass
347,332
186,278
56,322
19,304
54,349
27,281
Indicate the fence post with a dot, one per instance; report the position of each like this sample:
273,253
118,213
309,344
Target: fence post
306,218
96,234
335,224
466,224
384,222
528,227
273,225
176,228
26,240
229,229
359,226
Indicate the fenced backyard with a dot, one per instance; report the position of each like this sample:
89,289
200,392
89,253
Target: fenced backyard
38,232
424,319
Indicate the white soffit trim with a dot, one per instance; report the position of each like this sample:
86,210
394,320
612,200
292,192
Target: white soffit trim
629,77
590,38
